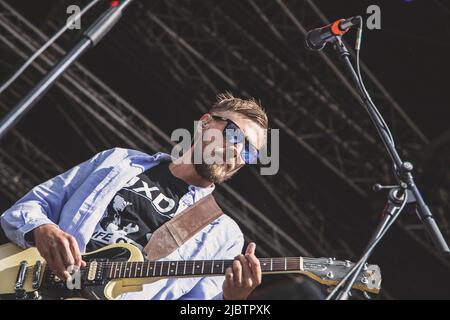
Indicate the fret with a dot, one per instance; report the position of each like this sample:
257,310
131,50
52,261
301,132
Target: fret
110,270
184,269
135,269
142,268
212,267
271,264
300,262
176,269
203,266
223,266
148,268
168,268
154,268
285,264
127,270
193,267
160,271
120,270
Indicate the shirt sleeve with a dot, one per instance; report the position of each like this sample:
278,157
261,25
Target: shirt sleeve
210,288
43,204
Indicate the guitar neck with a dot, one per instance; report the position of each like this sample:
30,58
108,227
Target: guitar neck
327,271
147,269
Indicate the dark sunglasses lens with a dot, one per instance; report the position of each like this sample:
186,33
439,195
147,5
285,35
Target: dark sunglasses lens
234,134
250,154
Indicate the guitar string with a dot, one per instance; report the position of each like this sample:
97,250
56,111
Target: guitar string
275,261
278,264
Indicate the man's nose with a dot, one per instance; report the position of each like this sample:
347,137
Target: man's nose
235,154
231,153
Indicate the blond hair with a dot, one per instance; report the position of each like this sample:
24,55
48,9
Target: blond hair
250,108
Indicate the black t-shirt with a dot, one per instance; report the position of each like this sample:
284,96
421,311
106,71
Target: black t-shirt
139,208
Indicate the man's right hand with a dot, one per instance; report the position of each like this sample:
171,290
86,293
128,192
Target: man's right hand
59,249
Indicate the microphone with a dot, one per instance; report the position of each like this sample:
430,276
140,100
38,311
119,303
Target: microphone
316,39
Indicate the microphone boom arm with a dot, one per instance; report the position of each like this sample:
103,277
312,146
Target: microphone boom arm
90,38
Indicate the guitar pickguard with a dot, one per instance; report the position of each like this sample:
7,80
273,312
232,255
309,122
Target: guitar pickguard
52,289
90,292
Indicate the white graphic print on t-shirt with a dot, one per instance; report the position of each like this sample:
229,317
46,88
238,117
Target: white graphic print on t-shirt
109,230
113,233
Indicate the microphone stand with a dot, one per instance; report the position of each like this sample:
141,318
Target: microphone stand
90,38
403,175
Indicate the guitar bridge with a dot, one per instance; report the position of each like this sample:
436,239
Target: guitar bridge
37,275
20,280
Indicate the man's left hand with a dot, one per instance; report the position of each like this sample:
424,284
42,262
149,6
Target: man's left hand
243,277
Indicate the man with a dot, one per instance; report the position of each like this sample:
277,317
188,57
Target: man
124,196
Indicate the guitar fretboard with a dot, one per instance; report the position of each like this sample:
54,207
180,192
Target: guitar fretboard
146,269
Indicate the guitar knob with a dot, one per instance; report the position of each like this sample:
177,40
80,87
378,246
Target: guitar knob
37,295
366,295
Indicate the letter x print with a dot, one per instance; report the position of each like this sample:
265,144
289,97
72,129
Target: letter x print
146,190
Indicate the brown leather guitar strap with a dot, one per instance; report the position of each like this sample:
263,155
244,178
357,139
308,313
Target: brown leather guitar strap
172,234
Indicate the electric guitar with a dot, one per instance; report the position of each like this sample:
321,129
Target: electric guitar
120,268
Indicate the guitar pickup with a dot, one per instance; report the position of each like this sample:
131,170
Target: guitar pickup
96,272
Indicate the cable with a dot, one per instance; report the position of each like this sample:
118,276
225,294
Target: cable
363,87
370,249
45,46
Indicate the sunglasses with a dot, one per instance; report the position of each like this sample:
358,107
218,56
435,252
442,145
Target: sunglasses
234,135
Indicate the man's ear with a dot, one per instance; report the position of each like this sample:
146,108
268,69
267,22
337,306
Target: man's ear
205,119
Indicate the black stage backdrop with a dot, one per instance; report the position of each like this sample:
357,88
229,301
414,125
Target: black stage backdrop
322,197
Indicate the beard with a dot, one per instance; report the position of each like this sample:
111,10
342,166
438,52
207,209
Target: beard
215,173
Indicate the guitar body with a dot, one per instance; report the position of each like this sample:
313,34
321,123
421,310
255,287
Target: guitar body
11,256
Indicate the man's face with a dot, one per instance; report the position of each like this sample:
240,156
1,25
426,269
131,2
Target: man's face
220,158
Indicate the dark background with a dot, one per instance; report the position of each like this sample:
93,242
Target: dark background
409,56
